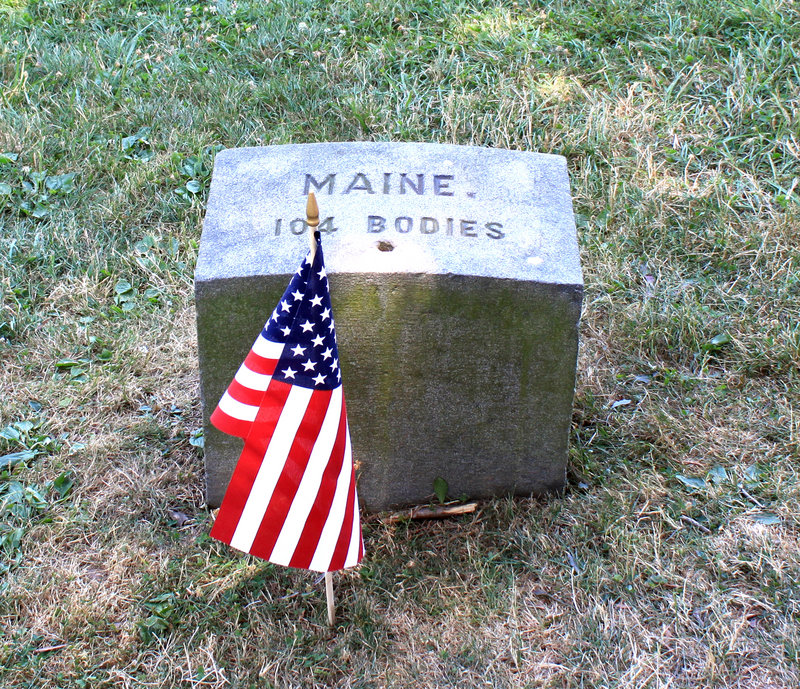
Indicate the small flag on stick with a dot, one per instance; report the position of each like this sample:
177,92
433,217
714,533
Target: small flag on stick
292,498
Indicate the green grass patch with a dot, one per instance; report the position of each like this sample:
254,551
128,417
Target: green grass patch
673,558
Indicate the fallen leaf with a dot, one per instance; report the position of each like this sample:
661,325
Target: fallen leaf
766,518
178,517
691,481
718,474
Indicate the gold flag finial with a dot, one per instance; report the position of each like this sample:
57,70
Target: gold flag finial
312,211
312,220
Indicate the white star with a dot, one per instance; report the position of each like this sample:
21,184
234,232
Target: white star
318,341
330,326
298,295
300,269
319,379
298,350
285,306
327,354
338,375
322,273
309,365
335,364
286,330
316,301
289,373
274,316
307,326
325,315
308,258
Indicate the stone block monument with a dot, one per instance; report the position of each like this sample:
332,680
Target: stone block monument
456,287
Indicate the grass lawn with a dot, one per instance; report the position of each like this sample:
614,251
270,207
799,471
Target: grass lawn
673,560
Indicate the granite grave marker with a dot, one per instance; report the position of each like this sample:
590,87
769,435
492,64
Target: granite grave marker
456,286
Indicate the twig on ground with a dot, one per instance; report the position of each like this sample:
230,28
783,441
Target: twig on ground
425,512
693,522
756,502
48,649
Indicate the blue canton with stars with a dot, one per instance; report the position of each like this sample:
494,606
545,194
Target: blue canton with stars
304,322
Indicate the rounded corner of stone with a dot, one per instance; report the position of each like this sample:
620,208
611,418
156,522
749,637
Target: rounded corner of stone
226,156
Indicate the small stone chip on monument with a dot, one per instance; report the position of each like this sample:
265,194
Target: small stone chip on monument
456,284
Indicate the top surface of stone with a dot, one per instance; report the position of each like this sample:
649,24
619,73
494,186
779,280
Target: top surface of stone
392,208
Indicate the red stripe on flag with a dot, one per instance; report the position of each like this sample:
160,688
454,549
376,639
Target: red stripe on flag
230,424
291,475
255,445
346,534
309,538
258,364
245,395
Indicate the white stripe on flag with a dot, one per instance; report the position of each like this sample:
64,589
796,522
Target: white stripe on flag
333,525
271,467
236,409
355,537
251,379
309,485
267,348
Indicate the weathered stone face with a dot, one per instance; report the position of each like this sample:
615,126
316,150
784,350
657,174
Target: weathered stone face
456,288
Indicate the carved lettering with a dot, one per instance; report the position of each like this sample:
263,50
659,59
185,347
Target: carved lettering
299,226
441,184
468,228
310,181
327,225
376,223
494,230
419,183
419,187
360,183
403,224
428,225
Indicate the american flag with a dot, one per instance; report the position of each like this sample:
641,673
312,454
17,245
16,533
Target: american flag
292,498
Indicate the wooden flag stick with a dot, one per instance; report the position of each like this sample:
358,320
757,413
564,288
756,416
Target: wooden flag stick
312,220
329,597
